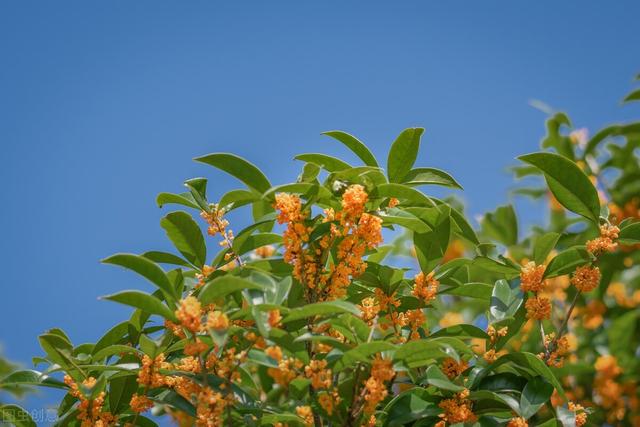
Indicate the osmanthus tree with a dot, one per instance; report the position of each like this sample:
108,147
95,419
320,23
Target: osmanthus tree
306,318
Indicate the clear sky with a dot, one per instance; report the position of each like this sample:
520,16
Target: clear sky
103,104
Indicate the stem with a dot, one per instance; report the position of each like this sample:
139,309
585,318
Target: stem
566,320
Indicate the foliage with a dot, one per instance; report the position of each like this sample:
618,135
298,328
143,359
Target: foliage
306,318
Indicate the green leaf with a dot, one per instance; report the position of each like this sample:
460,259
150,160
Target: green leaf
284,417
113,336
502,225
494,266
184,199
307,189
236,198
532,363
630,234
471,290
436,378
430,176
405,219
543,246
16,415
621,333
121,388
362,353
633,96
354,145
145,302
165,258
187,237
328,163
432,245
407,407
403,153
327,308
420,352
460,331
30,377
239,168
570,186
146,268
505,300
404,193
567,261
113,349
536,393
223,286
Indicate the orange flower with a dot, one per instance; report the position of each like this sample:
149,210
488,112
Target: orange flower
319,375
353,201
425,287
581,415
190,313
306,414
606,241
369,309
538,308
274,318
140,403
531,277
518,422
457,409
217,320
452,368
586,278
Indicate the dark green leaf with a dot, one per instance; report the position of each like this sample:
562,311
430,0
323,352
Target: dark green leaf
146,268
145,302
536,393
570,186
187,237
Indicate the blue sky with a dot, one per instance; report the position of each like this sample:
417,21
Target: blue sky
103,105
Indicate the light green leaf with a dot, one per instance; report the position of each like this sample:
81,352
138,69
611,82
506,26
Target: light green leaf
567,261
403,153
362,353
543,246
327,308
238,167
436,378
430,176
184,199
329,163
355,145
432,245
223,286
471,290
460,331
630,234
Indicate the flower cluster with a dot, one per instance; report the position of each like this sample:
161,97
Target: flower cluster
531,280
458,409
